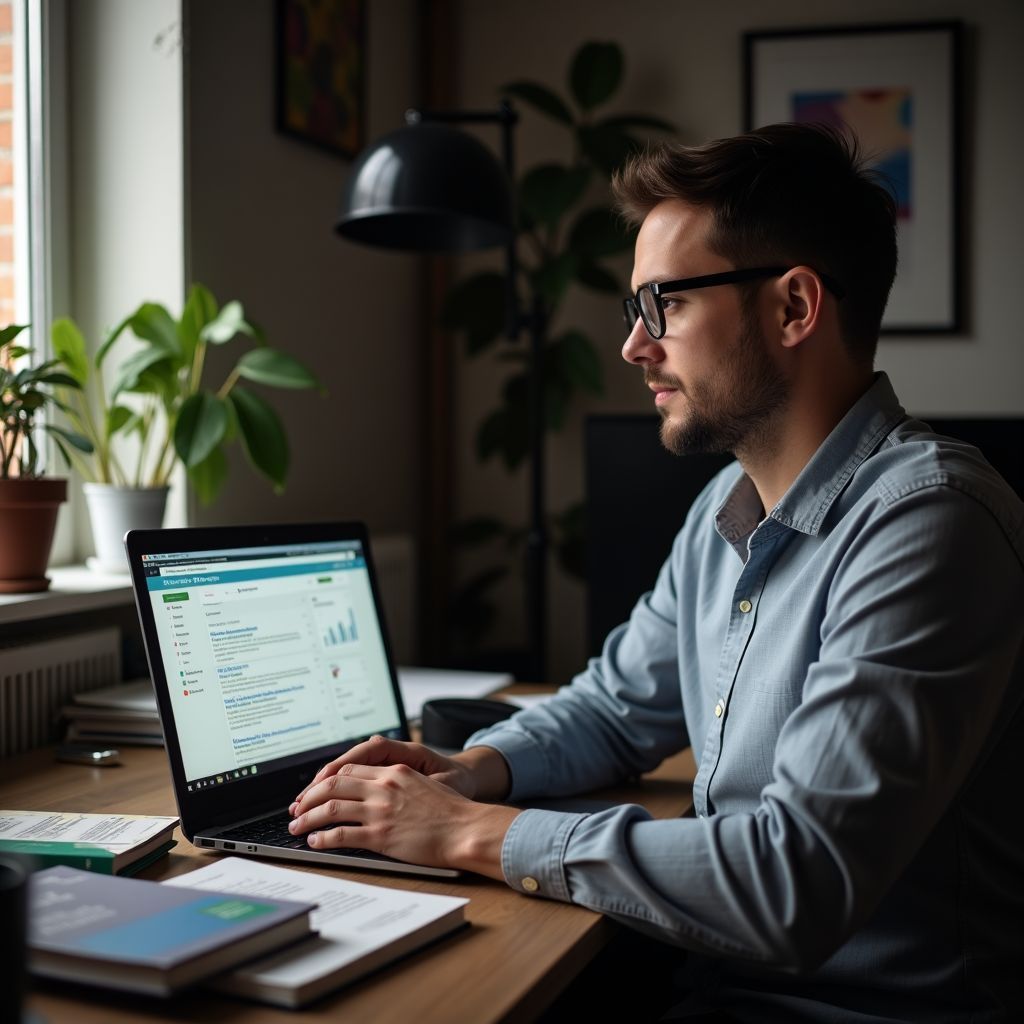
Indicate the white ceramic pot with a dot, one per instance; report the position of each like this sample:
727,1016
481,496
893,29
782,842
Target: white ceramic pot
113,511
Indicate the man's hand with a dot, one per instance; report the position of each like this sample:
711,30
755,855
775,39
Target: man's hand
378,750
402,812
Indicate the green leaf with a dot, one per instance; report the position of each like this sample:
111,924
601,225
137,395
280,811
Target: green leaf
208,476
579,362
79,441
69,346
549,191
32,401
477,307
225,325
202,420
599,232
593,275
504,432
10,332
116,333
571,539
606,146
540,98
151,322
62,380
118,416
556,403
595,73
262,434
555,275
268,366
200,309
480,530
134,366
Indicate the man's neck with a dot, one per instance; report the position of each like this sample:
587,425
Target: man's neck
775,460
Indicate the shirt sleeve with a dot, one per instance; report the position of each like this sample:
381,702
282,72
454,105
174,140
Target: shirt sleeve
619,718
918,645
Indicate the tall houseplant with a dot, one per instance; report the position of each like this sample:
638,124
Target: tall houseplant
157,396
568,233
29,501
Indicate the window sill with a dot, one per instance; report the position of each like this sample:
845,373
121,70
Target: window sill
73,589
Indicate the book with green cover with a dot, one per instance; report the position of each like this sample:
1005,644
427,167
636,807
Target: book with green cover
105,843
85,856
140,936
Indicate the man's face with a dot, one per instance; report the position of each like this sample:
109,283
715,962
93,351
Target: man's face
715,383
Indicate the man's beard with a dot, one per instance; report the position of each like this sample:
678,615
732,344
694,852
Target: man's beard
732,410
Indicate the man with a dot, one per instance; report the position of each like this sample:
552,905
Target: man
837,632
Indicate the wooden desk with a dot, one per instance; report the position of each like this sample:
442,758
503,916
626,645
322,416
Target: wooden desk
516,957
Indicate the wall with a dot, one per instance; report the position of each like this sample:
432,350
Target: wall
262,207
125,233
684,64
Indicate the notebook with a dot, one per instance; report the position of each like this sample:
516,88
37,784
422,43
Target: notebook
269,656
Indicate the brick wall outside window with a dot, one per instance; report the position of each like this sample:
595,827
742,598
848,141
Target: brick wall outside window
6,165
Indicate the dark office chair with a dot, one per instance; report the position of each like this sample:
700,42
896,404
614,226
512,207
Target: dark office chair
638,496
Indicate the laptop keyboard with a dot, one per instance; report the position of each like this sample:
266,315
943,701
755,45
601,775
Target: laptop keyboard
273,831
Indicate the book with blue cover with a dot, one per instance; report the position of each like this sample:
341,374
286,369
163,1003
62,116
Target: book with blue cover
140,936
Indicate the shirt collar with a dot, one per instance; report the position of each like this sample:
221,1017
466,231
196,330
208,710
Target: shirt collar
804,506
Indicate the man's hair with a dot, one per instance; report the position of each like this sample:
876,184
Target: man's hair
790,194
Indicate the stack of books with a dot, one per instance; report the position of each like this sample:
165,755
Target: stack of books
109,844
143,937
246,928
125,714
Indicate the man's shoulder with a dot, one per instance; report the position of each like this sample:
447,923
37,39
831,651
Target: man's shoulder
914,459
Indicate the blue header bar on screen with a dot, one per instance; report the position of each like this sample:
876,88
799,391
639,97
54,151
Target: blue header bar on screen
208,579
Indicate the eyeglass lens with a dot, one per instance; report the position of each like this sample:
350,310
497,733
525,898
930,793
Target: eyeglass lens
651,311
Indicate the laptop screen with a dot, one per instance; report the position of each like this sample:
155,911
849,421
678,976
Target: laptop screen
273,655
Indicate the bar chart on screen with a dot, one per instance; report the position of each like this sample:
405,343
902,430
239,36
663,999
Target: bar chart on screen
337,626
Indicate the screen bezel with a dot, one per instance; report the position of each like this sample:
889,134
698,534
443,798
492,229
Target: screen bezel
201,810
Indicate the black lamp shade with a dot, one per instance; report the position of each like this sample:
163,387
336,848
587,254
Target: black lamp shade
427,186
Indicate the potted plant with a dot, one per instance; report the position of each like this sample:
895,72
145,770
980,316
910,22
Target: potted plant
572,238
28,501
157,397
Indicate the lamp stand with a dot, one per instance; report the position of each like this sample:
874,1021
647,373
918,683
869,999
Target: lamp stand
535,324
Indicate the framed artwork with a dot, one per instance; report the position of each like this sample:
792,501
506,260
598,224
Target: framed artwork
898,88
321,72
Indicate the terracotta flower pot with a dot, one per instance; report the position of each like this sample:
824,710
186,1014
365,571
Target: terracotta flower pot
28,517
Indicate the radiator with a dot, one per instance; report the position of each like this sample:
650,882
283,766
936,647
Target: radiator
39,677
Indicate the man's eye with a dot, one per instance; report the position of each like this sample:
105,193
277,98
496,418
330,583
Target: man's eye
669,302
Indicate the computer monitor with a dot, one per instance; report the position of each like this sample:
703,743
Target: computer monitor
638,495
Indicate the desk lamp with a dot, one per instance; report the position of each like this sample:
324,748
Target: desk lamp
431,187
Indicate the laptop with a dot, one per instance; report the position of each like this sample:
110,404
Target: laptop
269,655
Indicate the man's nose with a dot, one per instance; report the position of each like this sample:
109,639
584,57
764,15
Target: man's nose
640,348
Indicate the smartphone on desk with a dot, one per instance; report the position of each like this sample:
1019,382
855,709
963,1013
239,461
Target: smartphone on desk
98,755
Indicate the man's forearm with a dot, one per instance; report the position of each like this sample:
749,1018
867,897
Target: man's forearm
489,771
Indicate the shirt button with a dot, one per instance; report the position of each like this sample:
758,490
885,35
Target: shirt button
530,884
719,709
745,606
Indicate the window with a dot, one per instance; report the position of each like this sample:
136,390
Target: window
32,183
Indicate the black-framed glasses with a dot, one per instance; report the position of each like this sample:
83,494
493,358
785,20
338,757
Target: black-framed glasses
647,305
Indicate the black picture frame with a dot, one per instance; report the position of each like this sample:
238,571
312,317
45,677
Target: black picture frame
899,86
320,73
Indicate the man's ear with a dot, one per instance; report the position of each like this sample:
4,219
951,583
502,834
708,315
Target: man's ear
801,298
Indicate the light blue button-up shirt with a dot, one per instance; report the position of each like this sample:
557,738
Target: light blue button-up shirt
848,671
